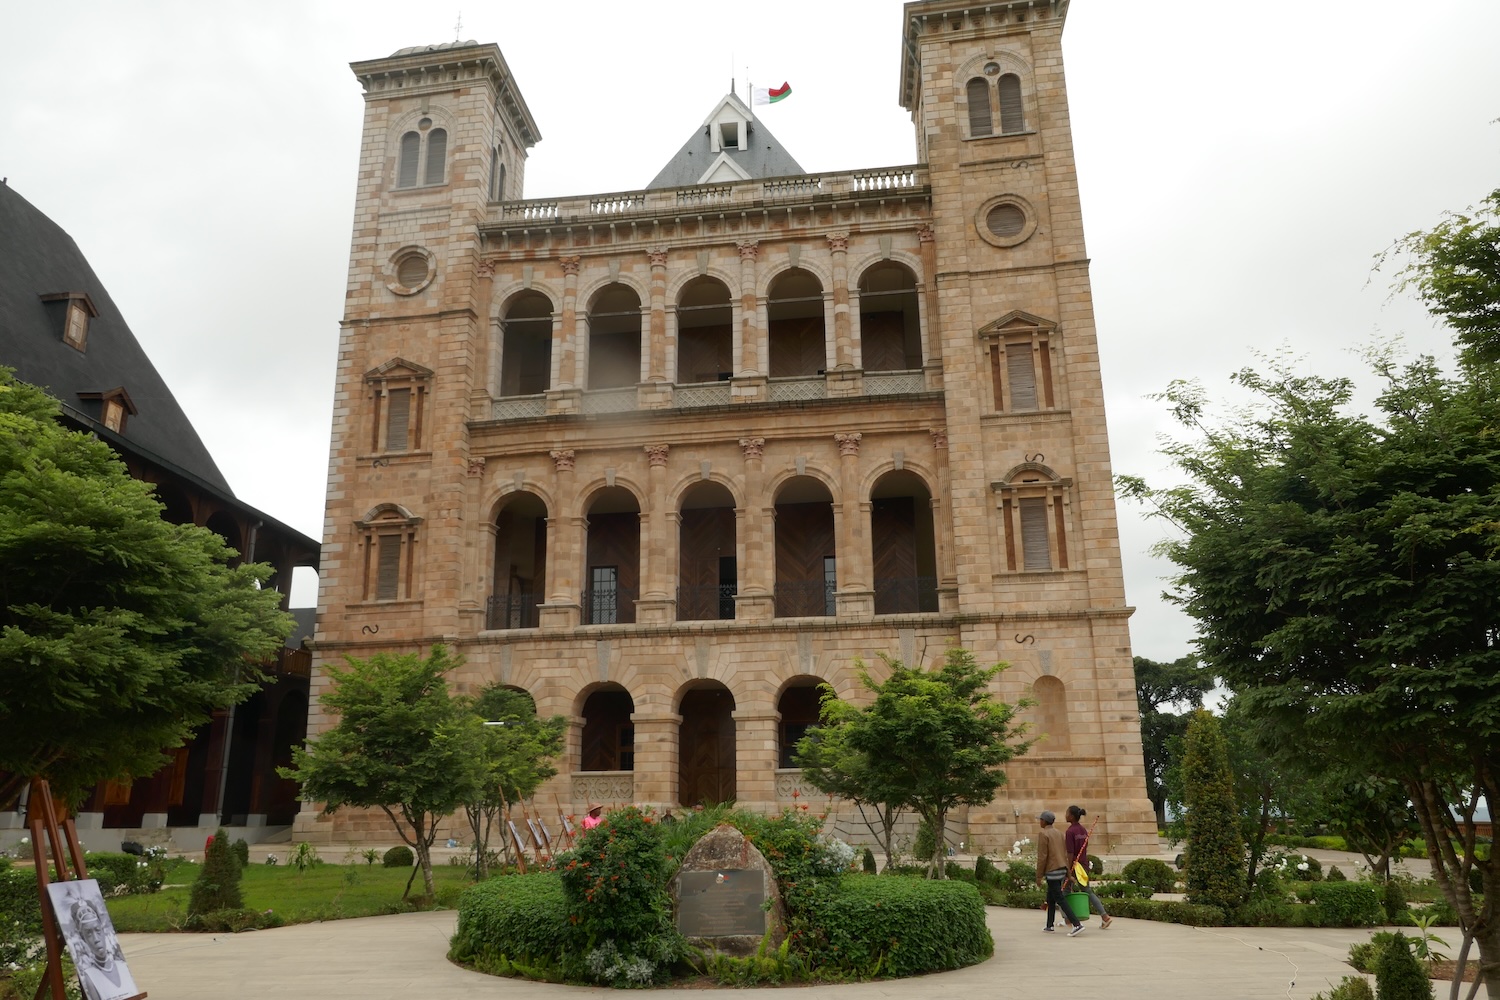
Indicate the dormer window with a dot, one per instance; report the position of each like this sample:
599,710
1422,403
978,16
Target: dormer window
115,407
729,135
79,310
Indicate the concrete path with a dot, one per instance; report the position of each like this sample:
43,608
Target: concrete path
400,957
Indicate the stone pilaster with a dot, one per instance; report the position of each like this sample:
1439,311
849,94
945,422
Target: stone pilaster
856,594
751,358
942,513
565,537
845,351
757,748
755,534
657,604
656,752
567,372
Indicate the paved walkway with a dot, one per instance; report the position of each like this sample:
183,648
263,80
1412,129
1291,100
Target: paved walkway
400,957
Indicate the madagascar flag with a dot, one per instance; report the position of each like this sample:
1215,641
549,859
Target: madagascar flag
764,95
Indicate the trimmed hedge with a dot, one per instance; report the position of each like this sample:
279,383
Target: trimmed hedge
399,856
890,927
1121,890
1151,872
1168,911
1348,904
510,920
121,873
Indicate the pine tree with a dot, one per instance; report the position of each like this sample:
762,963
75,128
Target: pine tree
218,883
1398,974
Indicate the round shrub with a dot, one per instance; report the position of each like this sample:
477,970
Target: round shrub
510,921
1096,866
1334,875
984,870
399,856
1307,869
867,862
241,849
1393,899
1151,872
889,927
1019,877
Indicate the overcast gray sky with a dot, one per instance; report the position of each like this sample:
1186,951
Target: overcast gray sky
1240,166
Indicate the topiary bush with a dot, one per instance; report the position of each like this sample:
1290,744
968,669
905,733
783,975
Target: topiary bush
1307,869
1398,974
1348,904
241,849
1334,875
1158,875
1019,877
924,843
888,927
1168,911
1364,954
1216,851
122,873
399,856
218,884
984,871
1096,866
1393,900
512,923
1121,890
867,862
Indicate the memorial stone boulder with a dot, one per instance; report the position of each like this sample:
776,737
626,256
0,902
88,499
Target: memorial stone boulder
725,895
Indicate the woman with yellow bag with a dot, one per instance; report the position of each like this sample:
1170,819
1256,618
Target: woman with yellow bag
1077,839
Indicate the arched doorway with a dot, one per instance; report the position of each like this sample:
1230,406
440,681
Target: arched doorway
903,545
798,707
520,563
794,312
708,575
890,335
806,573
608,742
614,338
706,746
613,558
526,346
705,332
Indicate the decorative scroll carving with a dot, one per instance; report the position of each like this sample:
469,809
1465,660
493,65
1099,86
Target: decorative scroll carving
563,460
753,447
657,453
848,443
476,466
838,242
939,438
749,249
570,265
790,785
485,268
603,787
926,234
658,256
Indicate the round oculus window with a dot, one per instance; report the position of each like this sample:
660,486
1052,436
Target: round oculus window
1006,221
991,69
411,271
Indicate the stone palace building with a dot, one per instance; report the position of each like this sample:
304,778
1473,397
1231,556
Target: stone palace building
670,459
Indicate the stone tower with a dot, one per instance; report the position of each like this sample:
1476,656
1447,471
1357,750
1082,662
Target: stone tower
670,459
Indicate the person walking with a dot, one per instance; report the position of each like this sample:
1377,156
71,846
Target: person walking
1077,840
1052,862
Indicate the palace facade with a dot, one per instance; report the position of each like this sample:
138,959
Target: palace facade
670,459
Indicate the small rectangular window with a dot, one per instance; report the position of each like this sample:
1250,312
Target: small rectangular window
729,135
398,421
1022,376
604,595
1035,554
830,586
77,330
388,573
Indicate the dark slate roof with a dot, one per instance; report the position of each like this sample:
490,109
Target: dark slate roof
37,258
306,623
766,157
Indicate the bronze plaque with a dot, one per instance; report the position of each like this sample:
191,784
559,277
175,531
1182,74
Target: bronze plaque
724,903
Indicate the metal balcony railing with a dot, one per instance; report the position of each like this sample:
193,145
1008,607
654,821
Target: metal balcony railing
610,605
906,595
805,598
702,604
512,611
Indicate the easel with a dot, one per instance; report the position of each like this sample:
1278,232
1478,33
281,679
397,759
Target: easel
41,817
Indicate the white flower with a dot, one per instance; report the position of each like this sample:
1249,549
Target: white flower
1302,867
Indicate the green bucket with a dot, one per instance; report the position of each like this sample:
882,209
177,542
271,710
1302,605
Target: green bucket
1078,904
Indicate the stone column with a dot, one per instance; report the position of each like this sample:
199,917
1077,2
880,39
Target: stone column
565,536
856,596
755,540
942,516
567,377
657,605
757,749
656,390
751,359
932,354
474,588
843,332
656,753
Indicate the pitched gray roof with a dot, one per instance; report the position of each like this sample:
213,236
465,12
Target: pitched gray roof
766,157
37,258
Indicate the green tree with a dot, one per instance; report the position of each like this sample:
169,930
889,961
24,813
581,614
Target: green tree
834,767
518,750
1455,269
1215,849
1343,573
217,886
119,633
402,744
1159,686
932,739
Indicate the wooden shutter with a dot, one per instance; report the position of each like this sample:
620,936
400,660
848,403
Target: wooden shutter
411,147
981,122
437,152
398,415
1022,376
1012,118
1034,533
388,572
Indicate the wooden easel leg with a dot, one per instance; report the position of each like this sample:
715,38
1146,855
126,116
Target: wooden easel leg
42,821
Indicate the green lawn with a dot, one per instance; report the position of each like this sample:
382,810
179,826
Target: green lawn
322,892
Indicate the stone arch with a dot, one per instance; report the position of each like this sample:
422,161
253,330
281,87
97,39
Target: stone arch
707,552
903,544
606,739
525,321
890,316
518,574
616,319
677,490
706,750
797,703
612,556
1051,713
704,308
808,260
680,279
806,548
796,307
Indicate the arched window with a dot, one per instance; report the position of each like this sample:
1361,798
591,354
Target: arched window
615,338
1051,713
520,563
424,154
890,335
526,345
1012,116
981,122
705,332
794,311
806,572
